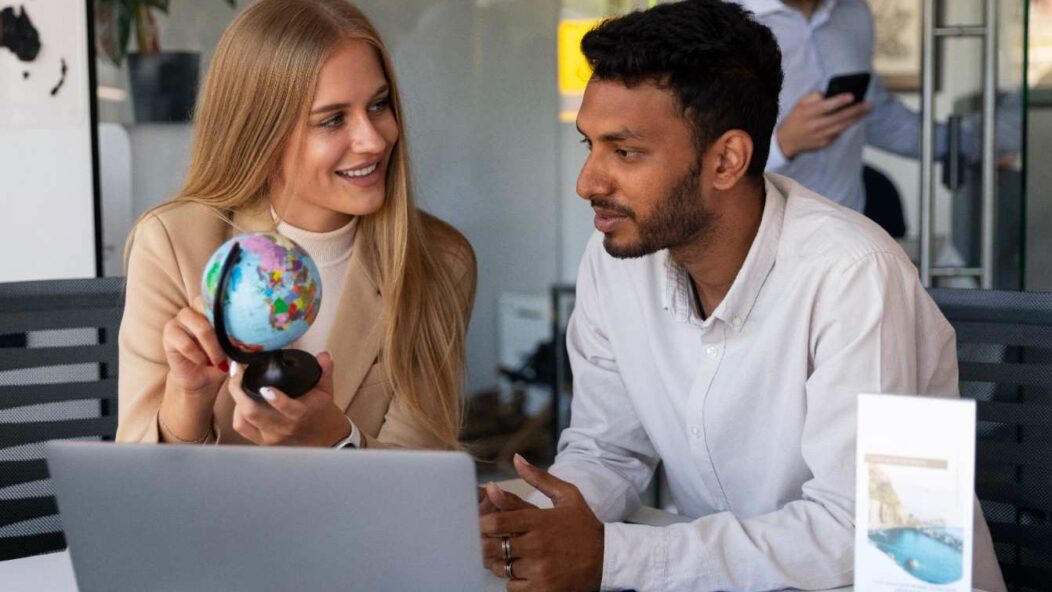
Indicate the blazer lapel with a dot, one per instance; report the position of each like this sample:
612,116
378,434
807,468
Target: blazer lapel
358,329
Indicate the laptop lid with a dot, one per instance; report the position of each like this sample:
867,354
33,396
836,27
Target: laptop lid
232,518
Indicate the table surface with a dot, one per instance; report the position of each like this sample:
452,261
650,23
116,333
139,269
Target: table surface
54,571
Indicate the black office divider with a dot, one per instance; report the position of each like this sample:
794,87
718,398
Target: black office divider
1004,345
58,380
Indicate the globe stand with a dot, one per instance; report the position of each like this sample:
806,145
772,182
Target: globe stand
292,371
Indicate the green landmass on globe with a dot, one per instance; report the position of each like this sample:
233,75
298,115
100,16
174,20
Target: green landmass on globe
273,294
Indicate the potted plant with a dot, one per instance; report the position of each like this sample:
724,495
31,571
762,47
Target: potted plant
163,83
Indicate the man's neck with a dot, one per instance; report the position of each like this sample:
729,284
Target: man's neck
713,261
805,7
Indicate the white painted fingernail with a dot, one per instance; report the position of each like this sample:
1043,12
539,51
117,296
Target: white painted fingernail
233,368
268,393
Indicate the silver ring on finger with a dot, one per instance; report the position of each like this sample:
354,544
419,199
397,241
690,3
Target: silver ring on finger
505,546
507,570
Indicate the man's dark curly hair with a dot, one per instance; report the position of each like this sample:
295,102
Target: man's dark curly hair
724,67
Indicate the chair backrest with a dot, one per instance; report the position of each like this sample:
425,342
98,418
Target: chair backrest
58,380
1004,349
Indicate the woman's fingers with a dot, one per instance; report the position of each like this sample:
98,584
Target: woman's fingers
246,428
197,325
282,403
177,340
261,415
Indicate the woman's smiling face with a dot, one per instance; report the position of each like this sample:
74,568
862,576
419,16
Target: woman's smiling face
335,164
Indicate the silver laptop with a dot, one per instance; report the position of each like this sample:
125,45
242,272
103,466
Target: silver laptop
231,518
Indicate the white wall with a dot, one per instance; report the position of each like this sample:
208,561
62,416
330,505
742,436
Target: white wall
48,228
478,81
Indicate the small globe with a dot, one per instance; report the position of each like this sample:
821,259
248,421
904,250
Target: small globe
273,293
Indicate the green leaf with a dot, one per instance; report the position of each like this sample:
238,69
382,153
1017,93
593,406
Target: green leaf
123,31
111,29
116,19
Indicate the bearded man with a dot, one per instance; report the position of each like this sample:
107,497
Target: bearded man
725,323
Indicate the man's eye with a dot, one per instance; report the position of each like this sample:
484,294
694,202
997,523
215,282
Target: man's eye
587,144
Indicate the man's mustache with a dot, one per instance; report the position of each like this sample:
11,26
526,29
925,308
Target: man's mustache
603,203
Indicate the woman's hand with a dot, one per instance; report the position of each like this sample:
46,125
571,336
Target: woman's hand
196,363
311,420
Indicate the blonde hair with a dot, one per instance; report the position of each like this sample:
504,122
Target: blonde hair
259,87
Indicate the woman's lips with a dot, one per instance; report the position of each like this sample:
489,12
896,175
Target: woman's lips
365,180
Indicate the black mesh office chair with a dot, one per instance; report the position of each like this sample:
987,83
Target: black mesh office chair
1004,345
58,380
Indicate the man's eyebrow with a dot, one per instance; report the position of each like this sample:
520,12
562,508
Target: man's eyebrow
341,106
618,136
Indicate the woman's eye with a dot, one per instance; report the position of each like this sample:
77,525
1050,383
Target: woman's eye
333,121
380,105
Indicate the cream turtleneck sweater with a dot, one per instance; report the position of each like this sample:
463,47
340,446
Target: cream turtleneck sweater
331,252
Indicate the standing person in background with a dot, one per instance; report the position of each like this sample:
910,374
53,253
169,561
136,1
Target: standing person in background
818,141
299,130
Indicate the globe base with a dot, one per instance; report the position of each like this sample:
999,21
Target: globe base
292,371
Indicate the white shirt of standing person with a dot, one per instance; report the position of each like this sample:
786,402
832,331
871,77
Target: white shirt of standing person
751,411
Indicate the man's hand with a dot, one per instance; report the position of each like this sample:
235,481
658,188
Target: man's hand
815,122
492,498
560,549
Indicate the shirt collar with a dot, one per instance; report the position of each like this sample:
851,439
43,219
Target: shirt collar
765,7
738,303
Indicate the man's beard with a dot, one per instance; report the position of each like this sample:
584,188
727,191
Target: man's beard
680,217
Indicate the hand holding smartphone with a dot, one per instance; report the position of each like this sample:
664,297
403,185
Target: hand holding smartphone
856,84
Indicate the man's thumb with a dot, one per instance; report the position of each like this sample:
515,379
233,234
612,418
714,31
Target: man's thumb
556,489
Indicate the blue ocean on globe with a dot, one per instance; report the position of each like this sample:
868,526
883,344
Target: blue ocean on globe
273,294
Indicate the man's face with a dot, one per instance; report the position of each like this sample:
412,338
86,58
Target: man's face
642,175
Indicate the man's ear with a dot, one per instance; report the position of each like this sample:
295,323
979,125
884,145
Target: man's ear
729,157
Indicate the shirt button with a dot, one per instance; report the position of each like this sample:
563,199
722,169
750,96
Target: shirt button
712,351
695,432
737,322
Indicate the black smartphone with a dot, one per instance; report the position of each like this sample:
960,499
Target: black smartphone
855,84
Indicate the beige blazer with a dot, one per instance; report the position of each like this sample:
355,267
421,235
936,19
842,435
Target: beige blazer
167,256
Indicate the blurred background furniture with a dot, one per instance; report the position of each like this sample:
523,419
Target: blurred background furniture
1004,345
58,380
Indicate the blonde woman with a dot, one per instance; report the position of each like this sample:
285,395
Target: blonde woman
299,130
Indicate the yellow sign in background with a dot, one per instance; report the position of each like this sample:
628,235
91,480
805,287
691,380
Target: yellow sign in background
574,71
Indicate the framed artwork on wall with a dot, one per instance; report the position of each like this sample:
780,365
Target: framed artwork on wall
48,154
897,43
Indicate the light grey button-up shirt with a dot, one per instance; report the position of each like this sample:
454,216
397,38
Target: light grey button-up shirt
752,410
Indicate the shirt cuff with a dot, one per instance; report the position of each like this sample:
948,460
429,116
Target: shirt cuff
776,160
634,557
